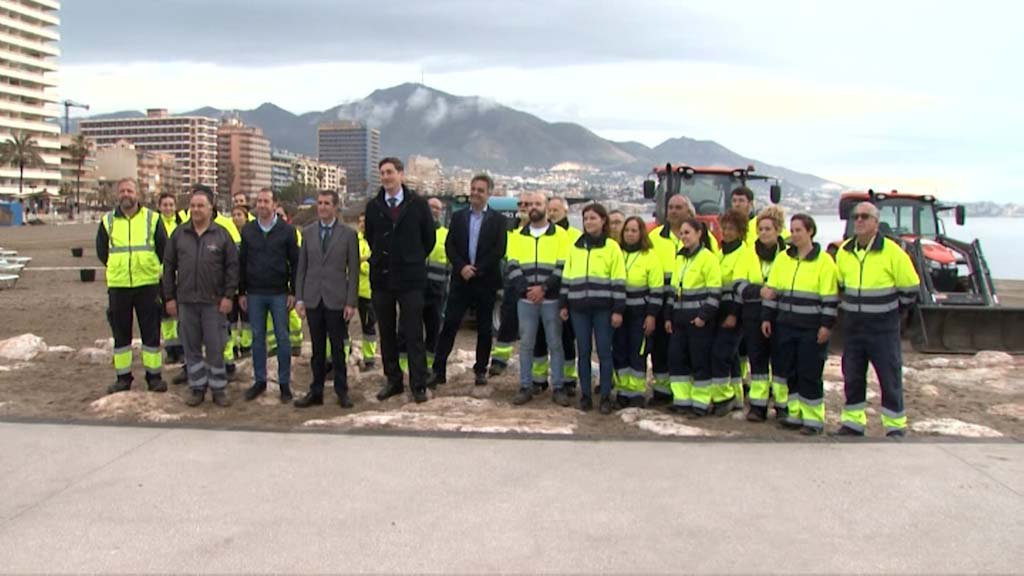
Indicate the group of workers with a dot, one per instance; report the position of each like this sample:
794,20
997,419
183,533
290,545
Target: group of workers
717,322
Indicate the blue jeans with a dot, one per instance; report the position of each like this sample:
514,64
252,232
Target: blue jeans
592,325
277,305
530,316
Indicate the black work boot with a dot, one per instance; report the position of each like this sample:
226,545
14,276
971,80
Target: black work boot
120,385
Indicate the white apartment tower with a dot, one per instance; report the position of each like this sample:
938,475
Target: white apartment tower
28,89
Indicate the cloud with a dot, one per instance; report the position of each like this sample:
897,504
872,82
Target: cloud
419,99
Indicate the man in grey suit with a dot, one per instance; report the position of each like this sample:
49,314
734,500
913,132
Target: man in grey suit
327,293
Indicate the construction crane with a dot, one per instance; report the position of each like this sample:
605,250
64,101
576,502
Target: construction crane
68,105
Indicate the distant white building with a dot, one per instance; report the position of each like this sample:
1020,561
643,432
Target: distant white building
28,89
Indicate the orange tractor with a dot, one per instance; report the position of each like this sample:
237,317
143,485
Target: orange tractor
958,310
708,188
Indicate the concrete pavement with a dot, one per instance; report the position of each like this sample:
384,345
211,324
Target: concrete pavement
147,500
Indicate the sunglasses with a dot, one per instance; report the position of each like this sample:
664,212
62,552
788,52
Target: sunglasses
862,216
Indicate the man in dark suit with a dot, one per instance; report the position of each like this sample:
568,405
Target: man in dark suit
475,247
400,232
327,293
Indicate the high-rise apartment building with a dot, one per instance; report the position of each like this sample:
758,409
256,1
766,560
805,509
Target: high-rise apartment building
192,140
243,158
281,169
354,147
28,89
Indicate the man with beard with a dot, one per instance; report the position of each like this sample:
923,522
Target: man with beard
536,255
130,243
558,213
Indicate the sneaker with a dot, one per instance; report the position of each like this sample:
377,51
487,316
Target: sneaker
119,386
560,398
220,398
496,369
847,431
196,397
157,385
605,407
587,403
523,396
254,391
898,433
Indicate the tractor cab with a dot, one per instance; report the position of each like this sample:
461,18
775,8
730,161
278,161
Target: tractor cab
708,188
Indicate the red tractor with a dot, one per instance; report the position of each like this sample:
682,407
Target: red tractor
958,309
708,188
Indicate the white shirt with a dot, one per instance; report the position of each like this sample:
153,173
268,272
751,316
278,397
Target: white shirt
400,196
538,232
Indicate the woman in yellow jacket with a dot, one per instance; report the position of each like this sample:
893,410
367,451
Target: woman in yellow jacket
800,304
593,297
644,297
726,379
760,260
690,310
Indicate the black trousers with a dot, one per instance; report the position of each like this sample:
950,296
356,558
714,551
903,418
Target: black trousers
325,323
126,304
464,295
367,319
882,350
432,309
389,305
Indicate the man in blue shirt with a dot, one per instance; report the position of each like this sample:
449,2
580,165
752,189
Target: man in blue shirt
475,247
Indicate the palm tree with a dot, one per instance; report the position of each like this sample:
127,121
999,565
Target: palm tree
79,150
21,149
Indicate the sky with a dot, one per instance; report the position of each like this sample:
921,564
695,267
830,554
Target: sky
922,96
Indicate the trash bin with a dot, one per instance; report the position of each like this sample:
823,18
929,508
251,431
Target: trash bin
77,252
87,274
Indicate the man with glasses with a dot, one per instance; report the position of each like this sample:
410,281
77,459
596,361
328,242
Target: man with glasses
475,246
877,280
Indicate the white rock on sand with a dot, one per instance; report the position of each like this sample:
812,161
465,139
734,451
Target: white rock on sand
94,356
661,424
954,427
14,367
22,348
1009,410
458,414
144,406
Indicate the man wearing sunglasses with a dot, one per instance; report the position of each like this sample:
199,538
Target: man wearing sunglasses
877,280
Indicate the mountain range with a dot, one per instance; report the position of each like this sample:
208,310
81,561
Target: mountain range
478,133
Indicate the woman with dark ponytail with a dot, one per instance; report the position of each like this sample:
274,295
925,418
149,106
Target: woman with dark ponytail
690,310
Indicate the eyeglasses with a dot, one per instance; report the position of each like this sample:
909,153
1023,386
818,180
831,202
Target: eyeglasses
523,204
862,216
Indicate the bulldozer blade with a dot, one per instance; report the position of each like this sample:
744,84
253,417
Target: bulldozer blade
967,329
